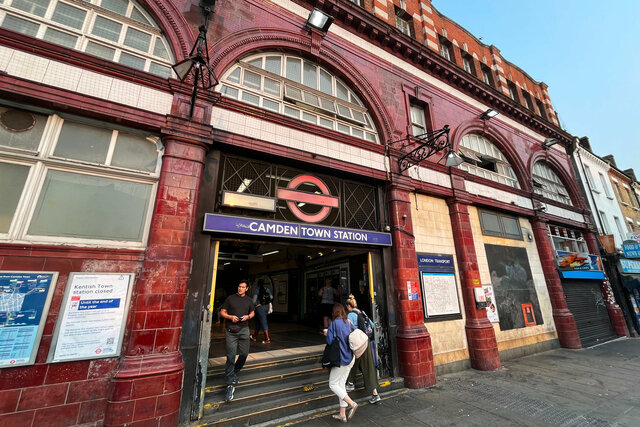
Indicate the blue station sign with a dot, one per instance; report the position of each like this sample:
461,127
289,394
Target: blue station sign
218,223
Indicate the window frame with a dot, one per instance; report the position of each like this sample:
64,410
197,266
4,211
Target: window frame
407,21
513,91
357,124
446,47
603,181
467,60
541,111
500,216
487,75
552,186
475,159
84,35
42,161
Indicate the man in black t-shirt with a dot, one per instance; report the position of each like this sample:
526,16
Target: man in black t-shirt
237,309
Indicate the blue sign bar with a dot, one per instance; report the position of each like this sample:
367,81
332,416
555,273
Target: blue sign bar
582,274
631,249
435,263
630,266
291,230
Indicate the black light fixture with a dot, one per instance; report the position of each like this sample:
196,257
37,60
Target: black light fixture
549,142
319,20
490,113
430,143
197,63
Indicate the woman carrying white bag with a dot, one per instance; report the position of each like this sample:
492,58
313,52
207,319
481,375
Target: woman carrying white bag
366,362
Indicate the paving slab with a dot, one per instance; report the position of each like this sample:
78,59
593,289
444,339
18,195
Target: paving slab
596,387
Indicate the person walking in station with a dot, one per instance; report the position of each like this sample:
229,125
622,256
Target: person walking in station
262,298
237,308
339,329
365,363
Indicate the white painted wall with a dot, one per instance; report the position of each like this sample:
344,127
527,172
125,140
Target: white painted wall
601,196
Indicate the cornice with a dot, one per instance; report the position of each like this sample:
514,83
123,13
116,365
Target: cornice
594,158
408,49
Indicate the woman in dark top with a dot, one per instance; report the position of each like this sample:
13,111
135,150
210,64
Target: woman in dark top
339,329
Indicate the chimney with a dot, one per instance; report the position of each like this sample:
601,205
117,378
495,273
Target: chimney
609,159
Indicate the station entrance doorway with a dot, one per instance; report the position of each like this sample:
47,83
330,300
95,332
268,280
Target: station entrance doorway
294,274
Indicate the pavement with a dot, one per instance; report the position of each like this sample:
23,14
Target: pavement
599,386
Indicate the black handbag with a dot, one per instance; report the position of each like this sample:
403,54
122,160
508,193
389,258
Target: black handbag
331,355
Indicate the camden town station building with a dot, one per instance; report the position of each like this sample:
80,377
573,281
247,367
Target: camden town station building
375,144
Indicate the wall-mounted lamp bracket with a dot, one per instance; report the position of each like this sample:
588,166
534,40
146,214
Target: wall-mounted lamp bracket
429,143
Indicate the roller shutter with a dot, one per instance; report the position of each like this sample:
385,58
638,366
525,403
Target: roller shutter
589,311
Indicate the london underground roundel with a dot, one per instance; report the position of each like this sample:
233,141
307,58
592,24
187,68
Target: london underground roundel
293,196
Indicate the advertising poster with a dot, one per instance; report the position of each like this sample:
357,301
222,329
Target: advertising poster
492,307
578,261
91,323
412,290
24,304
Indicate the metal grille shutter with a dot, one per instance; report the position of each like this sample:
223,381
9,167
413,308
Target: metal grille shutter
587,305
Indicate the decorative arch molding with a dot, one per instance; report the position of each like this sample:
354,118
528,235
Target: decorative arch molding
173,25
229,49
569,182
483,128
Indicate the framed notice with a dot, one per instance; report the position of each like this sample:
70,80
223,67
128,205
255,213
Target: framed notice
439,287
92,317
25,297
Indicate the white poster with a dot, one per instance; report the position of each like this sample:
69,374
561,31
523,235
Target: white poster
492,308
440,294
91,323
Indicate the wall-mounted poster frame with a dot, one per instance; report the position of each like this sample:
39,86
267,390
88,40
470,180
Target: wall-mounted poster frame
25,297
440,298
92,317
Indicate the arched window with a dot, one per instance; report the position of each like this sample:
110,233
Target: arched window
548,184
301,89
116,30
483,159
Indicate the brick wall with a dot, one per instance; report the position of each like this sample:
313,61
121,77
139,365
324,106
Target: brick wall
68,393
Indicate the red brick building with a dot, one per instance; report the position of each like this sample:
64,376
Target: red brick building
299,154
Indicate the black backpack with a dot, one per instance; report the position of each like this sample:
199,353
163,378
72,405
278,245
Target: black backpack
263,297
364,324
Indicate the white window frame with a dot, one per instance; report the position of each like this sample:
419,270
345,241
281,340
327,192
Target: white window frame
475,147
552,186
466,64
605,223
348,116
588,175
418,111
84,34
603,180
42,160
403,25
445,52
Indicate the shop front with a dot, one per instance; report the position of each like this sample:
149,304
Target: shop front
629,270
295,232
583,279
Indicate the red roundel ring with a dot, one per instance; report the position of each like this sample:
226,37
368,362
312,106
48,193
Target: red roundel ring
293,196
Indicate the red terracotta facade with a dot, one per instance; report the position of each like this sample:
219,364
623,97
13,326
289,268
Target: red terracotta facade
144,386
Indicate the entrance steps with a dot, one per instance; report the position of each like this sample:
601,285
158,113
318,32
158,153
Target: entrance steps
289,386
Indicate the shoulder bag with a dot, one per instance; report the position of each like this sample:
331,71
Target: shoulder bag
331,355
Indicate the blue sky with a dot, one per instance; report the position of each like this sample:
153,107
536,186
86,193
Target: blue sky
586,51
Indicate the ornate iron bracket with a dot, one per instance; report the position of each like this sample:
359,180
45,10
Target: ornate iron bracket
430,143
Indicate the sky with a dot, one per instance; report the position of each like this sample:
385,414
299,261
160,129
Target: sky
586,51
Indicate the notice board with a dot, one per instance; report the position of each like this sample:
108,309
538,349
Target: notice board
439,287
25,297
92,317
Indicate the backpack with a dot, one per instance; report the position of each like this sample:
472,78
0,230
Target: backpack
263,297
364,324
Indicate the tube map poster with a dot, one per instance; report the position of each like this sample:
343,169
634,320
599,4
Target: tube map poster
24,303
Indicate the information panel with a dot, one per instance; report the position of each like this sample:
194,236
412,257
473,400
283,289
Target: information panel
25,297
439,287
92,318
